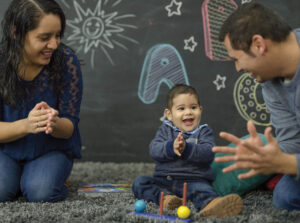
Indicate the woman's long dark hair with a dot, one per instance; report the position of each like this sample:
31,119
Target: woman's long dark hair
20,17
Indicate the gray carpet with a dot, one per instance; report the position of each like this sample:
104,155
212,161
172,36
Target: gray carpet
115,207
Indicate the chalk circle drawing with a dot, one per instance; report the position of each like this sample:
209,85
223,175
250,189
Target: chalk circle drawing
220,82
162,64
173,8
190,44
214,13
98,28
249,101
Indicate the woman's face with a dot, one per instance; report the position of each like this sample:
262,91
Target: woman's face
42,41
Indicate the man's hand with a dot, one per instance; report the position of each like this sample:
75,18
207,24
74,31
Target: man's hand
250,153
263,160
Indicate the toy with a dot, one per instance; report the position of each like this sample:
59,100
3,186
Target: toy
183,211
159,218
161,203
140,206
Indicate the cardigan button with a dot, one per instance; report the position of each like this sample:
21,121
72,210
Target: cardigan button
169,178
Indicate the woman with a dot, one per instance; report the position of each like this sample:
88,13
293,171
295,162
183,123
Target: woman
40,96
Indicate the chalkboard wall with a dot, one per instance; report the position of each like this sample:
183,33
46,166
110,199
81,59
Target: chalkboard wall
135,50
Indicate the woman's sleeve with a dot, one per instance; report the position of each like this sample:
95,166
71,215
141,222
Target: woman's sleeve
71,92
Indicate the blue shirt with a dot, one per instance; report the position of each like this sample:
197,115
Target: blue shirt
67,102
283,101
195,160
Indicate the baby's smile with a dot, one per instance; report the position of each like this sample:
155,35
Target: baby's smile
188,121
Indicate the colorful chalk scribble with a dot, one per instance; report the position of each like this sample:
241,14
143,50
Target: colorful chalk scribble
104,188
249,101
163,64
214,13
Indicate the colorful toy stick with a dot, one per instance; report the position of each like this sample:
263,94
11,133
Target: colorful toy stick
161,203
184,194
162,217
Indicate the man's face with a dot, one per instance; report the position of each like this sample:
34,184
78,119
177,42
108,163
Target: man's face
257,63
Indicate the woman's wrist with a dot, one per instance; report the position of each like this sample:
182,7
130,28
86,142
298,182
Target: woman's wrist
63,128
22,126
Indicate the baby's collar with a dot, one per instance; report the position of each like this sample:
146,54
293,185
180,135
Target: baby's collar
169,123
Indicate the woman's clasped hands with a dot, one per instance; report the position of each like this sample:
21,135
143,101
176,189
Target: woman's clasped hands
42,118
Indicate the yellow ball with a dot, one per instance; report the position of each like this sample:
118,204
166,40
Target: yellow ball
183,212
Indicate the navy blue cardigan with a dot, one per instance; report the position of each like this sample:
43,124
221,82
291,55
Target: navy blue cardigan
195,160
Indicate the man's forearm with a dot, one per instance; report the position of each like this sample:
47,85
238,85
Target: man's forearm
288,164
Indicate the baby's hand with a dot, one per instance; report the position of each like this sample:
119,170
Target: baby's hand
179,145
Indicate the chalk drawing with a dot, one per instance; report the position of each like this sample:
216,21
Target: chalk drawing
65,3
162,64
249,101
174,8
190,44
214,13
220,82
98,29
246,1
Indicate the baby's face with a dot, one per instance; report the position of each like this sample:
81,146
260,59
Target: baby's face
186,112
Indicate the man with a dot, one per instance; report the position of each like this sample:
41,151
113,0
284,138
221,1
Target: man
262,43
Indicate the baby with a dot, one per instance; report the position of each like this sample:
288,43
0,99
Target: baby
182,149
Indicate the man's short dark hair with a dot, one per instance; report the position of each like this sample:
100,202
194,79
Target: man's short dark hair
180,89
250,19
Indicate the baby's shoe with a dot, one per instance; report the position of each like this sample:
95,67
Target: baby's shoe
67,183
171,202
227,206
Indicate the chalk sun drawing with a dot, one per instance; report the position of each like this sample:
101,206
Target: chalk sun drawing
98,29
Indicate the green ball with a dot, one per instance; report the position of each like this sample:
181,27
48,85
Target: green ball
183,212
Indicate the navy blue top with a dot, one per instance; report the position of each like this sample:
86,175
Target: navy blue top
196,159
67,102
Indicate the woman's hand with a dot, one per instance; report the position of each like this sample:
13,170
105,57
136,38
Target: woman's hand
43,118
37,118
52,120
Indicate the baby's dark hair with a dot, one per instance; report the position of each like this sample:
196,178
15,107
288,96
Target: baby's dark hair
180,89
